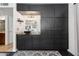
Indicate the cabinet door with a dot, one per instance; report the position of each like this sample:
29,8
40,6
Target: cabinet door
61,40
36,41
24,42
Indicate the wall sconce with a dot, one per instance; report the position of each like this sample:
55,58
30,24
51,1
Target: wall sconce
19,20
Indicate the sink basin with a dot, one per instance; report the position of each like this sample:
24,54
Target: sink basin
27,32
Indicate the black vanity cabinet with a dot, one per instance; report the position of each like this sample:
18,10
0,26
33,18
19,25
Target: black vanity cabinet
24,42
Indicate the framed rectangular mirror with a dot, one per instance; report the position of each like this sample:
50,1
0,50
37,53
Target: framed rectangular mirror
29,22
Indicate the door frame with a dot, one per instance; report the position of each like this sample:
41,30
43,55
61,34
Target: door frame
13,6
6,30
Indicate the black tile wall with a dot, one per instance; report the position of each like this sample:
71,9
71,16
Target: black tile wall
47,23
47,11
60,12
54,27
60,23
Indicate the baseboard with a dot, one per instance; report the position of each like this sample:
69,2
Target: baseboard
71,52
14,50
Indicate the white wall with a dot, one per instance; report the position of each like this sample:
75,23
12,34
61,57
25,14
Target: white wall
6,11
77,17
72,30
10,28
14,26
20,26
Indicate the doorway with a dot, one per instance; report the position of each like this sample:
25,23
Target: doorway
6,29
2,30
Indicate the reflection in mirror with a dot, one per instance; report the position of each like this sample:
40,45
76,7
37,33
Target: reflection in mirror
31,22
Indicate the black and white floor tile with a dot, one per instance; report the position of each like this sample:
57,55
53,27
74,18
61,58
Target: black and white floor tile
37,53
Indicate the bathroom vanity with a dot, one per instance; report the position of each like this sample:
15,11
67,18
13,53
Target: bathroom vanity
53,27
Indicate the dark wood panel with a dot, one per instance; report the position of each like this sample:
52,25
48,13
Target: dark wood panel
2,38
